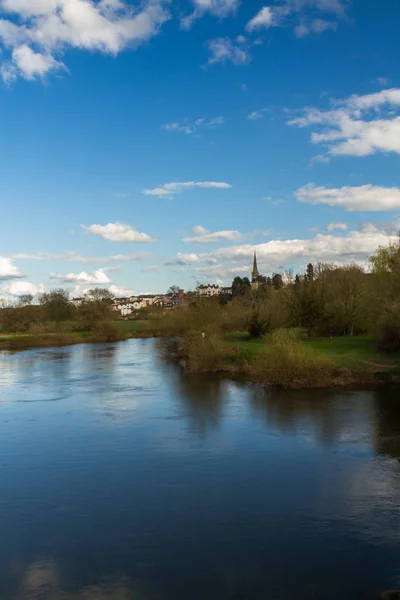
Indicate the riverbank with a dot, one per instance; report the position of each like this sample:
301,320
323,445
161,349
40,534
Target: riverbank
284,359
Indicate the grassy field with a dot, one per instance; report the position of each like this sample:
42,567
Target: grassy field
355,353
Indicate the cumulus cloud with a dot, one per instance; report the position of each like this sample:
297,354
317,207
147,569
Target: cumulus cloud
118,232
189,127
168,190
8,270
98,277
361,198
337,227
46,28
354,246
290,11
356,126
224,50
203,236
18,288
121,292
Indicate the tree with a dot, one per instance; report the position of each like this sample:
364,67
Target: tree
277,281
310,273
240,286
56,305
95,307
25,300
173,289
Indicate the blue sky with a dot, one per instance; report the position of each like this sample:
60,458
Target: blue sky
151,144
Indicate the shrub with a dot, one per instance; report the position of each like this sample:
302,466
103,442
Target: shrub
107,331
287,362
257,325
207,354
387,337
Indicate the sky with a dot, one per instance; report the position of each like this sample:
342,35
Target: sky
160,143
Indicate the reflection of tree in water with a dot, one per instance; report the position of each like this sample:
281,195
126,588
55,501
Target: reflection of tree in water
202,396
329,415
43,580
387,429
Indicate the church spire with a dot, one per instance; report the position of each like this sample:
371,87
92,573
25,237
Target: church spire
255,274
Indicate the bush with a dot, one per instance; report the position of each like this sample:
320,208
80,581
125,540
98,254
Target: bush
287,362
107,331
387,337
207,354
257,325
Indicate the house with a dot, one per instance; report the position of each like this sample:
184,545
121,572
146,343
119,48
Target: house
207,291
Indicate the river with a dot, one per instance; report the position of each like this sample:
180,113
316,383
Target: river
123,478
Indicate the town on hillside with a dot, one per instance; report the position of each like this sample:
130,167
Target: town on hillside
176,297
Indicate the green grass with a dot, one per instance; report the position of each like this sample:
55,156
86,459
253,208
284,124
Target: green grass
356,353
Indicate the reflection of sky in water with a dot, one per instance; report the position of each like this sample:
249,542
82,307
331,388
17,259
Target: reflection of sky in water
124,477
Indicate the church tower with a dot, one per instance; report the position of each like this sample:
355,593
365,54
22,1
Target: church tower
255,274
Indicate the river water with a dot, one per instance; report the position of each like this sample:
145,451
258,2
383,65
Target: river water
123,478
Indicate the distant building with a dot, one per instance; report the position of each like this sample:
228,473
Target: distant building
207,291
255,274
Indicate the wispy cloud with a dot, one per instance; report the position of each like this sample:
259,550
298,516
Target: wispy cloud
224,50
204,236
358,125
168,190
78,258
218,8
118,232
301,14
257,114
337,227
190,127
361,198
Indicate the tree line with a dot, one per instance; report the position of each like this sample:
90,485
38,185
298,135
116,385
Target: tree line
326,298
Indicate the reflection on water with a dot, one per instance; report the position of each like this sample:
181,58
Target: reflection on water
123,477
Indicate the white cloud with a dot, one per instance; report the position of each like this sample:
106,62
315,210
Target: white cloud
98,277
218,8
18,288
354,128
354,246
8,270
257,114
121,292
203,236
361,198
118,232
189,127
265,18
30,64
46,28
337,227
225,50
314,26
87,260
168,190
283,13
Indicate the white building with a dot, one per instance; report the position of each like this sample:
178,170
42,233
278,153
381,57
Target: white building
207,291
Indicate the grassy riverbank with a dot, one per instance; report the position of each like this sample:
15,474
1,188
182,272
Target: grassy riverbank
286,359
